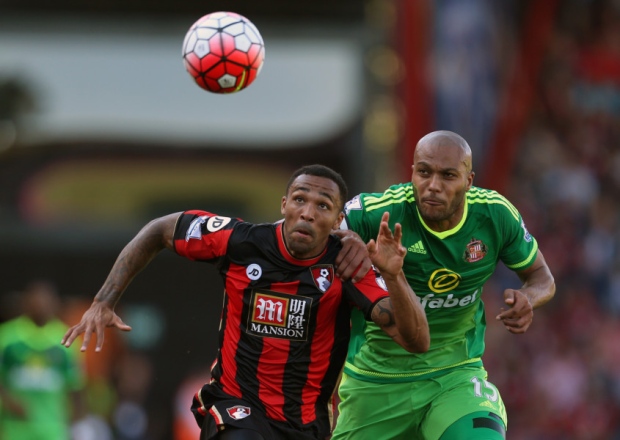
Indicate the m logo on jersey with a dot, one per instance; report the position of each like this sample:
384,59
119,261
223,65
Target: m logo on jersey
239,412
279,315
475,250
323,276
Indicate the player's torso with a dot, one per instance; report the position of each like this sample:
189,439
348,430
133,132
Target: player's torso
284,319
38,372
274,297
447,272
32,359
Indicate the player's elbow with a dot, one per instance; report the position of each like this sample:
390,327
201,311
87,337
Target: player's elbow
421,343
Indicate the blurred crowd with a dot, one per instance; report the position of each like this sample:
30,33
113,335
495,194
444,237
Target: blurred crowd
47,390
561,380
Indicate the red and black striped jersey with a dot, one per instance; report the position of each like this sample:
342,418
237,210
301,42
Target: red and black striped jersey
285,322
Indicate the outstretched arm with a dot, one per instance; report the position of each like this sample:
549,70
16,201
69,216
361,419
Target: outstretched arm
401,315
137,254
538,288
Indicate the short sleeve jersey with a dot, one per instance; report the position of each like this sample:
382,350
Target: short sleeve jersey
285,323
39,373
446,270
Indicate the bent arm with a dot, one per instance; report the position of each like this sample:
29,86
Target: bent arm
538,282
401,315
537,289
135,256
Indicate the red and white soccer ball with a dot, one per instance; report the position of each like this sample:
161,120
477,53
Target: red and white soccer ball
223,52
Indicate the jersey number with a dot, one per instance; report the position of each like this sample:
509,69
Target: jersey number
490,392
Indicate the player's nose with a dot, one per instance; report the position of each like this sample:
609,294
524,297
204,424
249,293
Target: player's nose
308,212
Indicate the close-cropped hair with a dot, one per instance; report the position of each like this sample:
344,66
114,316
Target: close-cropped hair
319,170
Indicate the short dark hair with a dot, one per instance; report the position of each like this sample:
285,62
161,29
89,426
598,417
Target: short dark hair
319,170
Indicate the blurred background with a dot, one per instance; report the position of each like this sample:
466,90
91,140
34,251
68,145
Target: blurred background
102,129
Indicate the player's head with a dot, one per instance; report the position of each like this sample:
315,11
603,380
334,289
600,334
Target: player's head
40,302
321,171
312,208
442,175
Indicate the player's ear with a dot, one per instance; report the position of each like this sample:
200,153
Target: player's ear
338,221
470,180
283,205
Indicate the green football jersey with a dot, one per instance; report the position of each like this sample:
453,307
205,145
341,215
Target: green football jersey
446,270
40,373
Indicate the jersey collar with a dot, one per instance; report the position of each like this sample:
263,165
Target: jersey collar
449,232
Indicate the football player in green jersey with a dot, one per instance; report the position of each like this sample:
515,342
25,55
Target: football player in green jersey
41,383
455,234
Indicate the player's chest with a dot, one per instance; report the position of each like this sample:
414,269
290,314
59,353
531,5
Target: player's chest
444,263
285,302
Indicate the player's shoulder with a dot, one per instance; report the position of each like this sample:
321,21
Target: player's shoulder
13,329
252,232
489,200
393,197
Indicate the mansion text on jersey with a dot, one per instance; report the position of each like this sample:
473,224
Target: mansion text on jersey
268,330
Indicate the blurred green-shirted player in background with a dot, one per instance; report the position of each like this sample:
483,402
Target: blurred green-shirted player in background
38,376
455,234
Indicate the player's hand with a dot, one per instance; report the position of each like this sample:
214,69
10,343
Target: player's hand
353,260
99,316
518,318
386,252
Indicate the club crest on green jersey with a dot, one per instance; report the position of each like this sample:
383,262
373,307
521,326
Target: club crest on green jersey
475,250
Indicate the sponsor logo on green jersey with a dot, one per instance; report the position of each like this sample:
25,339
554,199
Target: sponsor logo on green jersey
443,280
433,301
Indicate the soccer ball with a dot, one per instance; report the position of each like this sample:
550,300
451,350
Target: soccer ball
223,52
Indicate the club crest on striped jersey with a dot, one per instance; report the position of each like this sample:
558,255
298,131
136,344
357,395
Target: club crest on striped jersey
475,250
323,276
279,315
239,412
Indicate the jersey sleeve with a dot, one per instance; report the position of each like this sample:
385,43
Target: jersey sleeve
520,247
367,292
202,235
356,218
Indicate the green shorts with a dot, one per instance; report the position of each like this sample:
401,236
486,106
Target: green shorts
413,410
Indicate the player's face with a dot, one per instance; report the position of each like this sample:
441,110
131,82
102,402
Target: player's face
311,210
441,177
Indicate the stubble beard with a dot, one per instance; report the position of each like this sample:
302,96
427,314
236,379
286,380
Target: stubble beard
439,213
